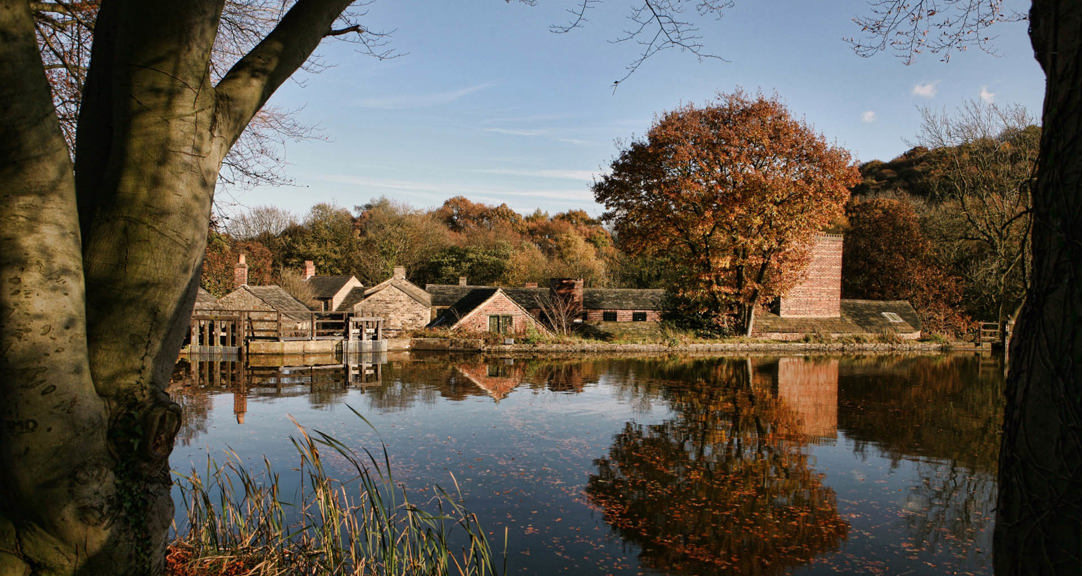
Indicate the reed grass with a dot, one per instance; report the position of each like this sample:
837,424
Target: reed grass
239,523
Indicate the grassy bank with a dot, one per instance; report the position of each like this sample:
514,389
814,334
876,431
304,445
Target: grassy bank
625,337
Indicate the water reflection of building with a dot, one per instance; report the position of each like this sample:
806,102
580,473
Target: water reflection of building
496,377
322,383
240,401
809,387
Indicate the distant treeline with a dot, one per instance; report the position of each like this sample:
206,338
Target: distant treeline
945,228
486,244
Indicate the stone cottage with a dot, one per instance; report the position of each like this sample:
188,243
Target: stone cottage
403,305
274,305
328,292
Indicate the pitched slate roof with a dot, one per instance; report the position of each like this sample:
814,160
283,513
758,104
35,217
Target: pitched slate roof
276,297
527,297
409,288
871,314
857,317
204,300
355,295
325,287
444,295
621,299
464,305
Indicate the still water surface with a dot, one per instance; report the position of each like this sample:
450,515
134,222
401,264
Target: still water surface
763,465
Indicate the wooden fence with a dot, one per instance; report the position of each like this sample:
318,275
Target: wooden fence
228,330
988,333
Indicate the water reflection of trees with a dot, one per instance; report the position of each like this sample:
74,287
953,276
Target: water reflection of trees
943,407
945,412
951,508
723,487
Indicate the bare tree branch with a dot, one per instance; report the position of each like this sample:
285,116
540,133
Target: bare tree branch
908,28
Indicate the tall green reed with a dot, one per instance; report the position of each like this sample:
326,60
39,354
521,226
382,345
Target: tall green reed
237,522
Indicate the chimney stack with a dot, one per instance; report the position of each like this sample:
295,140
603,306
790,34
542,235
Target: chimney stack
461,280
309,269
569,290
240,273
400,272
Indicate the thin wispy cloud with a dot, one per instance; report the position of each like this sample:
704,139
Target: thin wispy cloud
384,183
987,96
868,116
554,174
527,198
926,89
526,119
413,101
519,131
548,133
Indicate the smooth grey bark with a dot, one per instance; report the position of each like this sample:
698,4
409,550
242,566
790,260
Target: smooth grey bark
53,458
1039,512
99,263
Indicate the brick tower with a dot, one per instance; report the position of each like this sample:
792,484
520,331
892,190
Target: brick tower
819,294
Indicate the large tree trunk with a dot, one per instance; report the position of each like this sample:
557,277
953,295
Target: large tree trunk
87,427
1039,514
56,475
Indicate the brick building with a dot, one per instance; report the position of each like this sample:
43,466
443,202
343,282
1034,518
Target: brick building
815,305
819,293
621,305
488,310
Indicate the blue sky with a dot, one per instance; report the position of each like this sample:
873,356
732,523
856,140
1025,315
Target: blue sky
487,103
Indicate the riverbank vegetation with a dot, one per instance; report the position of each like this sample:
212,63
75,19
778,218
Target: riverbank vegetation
237,520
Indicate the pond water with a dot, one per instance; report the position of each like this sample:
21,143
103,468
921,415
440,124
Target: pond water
670,465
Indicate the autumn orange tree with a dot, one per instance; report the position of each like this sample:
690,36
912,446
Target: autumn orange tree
221,257
888,257
731,193
722,488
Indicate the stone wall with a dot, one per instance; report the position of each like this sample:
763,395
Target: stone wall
819,294
399,311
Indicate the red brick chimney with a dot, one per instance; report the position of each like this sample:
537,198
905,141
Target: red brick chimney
819,294
309,269
240,273
568,289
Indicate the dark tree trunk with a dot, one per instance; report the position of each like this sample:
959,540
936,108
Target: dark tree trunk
1039,514
99,263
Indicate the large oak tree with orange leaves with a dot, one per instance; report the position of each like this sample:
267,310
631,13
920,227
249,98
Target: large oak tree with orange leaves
730,194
